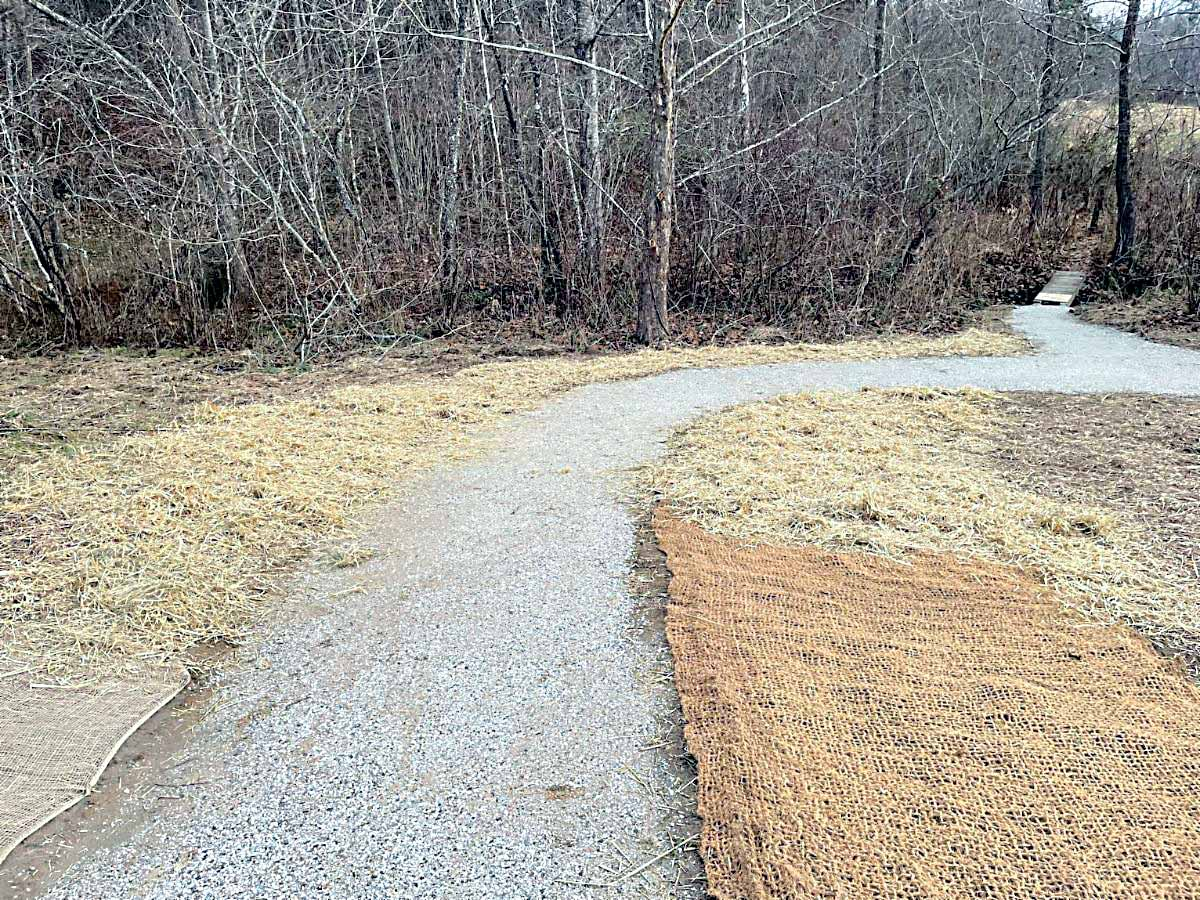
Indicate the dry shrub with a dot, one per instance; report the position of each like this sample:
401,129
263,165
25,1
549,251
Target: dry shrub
898,269
1158,294
148,545
900,471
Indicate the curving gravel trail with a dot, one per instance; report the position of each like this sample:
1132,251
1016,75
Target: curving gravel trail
472,723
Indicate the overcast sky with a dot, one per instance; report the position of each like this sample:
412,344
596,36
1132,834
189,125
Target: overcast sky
1114,8
1107,8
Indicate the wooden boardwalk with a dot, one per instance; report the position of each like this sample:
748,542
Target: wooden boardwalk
1061,289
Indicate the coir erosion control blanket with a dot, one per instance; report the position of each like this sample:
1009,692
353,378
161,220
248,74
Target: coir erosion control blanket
935,729
55,741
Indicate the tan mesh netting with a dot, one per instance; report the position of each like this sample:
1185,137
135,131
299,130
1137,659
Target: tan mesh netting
867,728
56,741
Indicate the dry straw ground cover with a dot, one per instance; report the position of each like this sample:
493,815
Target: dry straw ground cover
900,471
142,547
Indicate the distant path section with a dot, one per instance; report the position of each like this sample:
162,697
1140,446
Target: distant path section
474,713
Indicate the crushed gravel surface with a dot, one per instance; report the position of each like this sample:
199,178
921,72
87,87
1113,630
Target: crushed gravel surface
471,719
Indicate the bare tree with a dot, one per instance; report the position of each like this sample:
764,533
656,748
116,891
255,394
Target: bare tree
452,174
587,34
33,184
1123,248
206,103
654,281
371,170
877,37
1046,90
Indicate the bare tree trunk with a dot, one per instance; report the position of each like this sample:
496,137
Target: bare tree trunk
1037,174
199,103
743,76
229,220
448,217
1097,209
660,197
494,127
741,135
587,32
1123,248
389,131
552,286
553,283
35,204
877,74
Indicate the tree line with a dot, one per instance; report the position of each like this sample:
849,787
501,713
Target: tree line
313,173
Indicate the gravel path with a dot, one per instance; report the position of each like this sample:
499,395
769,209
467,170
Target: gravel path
471,724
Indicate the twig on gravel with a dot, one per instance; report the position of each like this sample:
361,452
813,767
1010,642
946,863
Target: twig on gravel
643,867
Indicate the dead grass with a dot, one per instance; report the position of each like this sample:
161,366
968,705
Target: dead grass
63,401
900,471
350,555
144,546
1171,126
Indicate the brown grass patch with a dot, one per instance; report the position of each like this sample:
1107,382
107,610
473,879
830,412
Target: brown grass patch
144,546
63,401
895,472
1171,126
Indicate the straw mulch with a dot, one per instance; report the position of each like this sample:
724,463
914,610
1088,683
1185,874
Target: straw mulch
140,548
899,471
